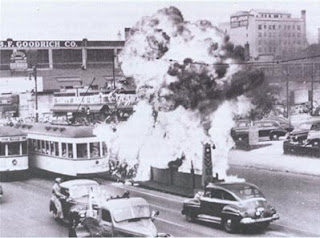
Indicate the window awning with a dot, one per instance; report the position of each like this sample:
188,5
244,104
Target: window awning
74,108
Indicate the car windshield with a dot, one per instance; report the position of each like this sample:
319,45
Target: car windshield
247,192
83,190
131,213
305,126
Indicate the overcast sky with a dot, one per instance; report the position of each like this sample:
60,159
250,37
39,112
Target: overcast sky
103,19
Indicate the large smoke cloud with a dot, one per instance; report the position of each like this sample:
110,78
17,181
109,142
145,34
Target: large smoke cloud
190,91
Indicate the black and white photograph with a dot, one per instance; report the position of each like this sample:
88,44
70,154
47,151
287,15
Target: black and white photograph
171,118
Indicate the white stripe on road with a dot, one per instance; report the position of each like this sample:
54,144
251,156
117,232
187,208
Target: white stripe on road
169,222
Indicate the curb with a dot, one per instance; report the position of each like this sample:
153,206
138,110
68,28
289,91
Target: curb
259,166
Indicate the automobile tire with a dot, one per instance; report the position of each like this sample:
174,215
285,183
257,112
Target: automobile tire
229,224
189,216
263,226
54,213
274,136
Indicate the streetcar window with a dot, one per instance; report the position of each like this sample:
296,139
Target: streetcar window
38,145
104,149
24,147
51,148
14,148
56,144
64,149
70,151
43,147
2,149
95,150
47,151
82,151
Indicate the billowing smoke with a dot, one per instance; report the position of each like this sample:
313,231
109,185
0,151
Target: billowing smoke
190,90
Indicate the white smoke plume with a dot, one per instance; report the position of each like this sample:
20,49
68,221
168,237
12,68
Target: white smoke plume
180,98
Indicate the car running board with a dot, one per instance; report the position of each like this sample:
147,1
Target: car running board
208,218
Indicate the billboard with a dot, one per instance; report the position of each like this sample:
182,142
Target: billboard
239,21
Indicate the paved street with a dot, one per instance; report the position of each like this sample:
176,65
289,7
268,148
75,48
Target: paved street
24,208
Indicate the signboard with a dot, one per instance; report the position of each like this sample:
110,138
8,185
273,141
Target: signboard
39,44
239,21
207,165
18,61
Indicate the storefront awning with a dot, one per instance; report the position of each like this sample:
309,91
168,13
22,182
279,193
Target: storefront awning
74,108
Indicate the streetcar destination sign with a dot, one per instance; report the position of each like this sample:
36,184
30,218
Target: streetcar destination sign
39,44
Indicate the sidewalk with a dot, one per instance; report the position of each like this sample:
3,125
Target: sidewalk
272,158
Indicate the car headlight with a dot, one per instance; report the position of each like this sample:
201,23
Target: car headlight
258,213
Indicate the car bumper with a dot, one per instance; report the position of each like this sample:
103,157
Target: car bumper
249,220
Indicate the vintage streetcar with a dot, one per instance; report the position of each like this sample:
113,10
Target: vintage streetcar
13,151
66,150
233,205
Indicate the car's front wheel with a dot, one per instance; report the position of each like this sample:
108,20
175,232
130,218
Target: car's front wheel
315,143
263,226
274,136
230,224
190,216
54,213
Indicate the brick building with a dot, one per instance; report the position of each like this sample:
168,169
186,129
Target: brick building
60,66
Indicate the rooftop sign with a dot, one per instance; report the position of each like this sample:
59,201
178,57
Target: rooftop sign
39,44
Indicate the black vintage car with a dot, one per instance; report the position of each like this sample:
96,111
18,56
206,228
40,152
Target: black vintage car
1,192
232,205
266,128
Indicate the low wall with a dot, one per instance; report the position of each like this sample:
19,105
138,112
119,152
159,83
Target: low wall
174,178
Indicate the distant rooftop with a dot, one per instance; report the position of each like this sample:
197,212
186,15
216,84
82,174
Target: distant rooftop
269,11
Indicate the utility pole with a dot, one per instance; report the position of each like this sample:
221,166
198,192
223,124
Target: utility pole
286,72
113,71
312,81
36,90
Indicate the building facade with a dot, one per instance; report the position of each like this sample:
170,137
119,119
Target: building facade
268,34
49,67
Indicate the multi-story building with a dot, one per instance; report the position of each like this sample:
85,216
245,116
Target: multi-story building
268,34
59,66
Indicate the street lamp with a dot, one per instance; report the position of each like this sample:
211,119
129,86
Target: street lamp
34,73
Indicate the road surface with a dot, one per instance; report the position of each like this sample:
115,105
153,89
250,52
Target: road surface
24,208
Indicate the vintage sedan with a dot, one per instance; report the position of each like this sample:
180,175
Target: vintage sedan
119,217
233,205
71,206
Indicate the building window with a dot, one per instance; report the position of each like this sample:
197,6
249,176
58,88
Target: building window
274,27
269,27
299,28
259,27
289,34
285,27
279,26
276,16
259,49
293,27
298,34
269,15
259,34
67,58
265,26
265,34
293,34
288,27
99,55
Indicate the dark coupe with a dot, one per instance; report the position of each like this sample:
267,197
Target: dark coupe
232,205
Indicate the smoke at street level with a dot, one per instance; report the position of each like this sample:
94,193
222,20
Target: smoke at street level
186,81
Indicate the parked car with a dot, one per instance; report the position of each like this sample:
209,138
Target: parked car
119,217
313,137
71,206
284,122
300,133
232,205
266,128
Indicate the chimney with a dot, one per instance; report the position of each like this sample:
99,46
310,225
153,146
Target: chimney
303,14
126,33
